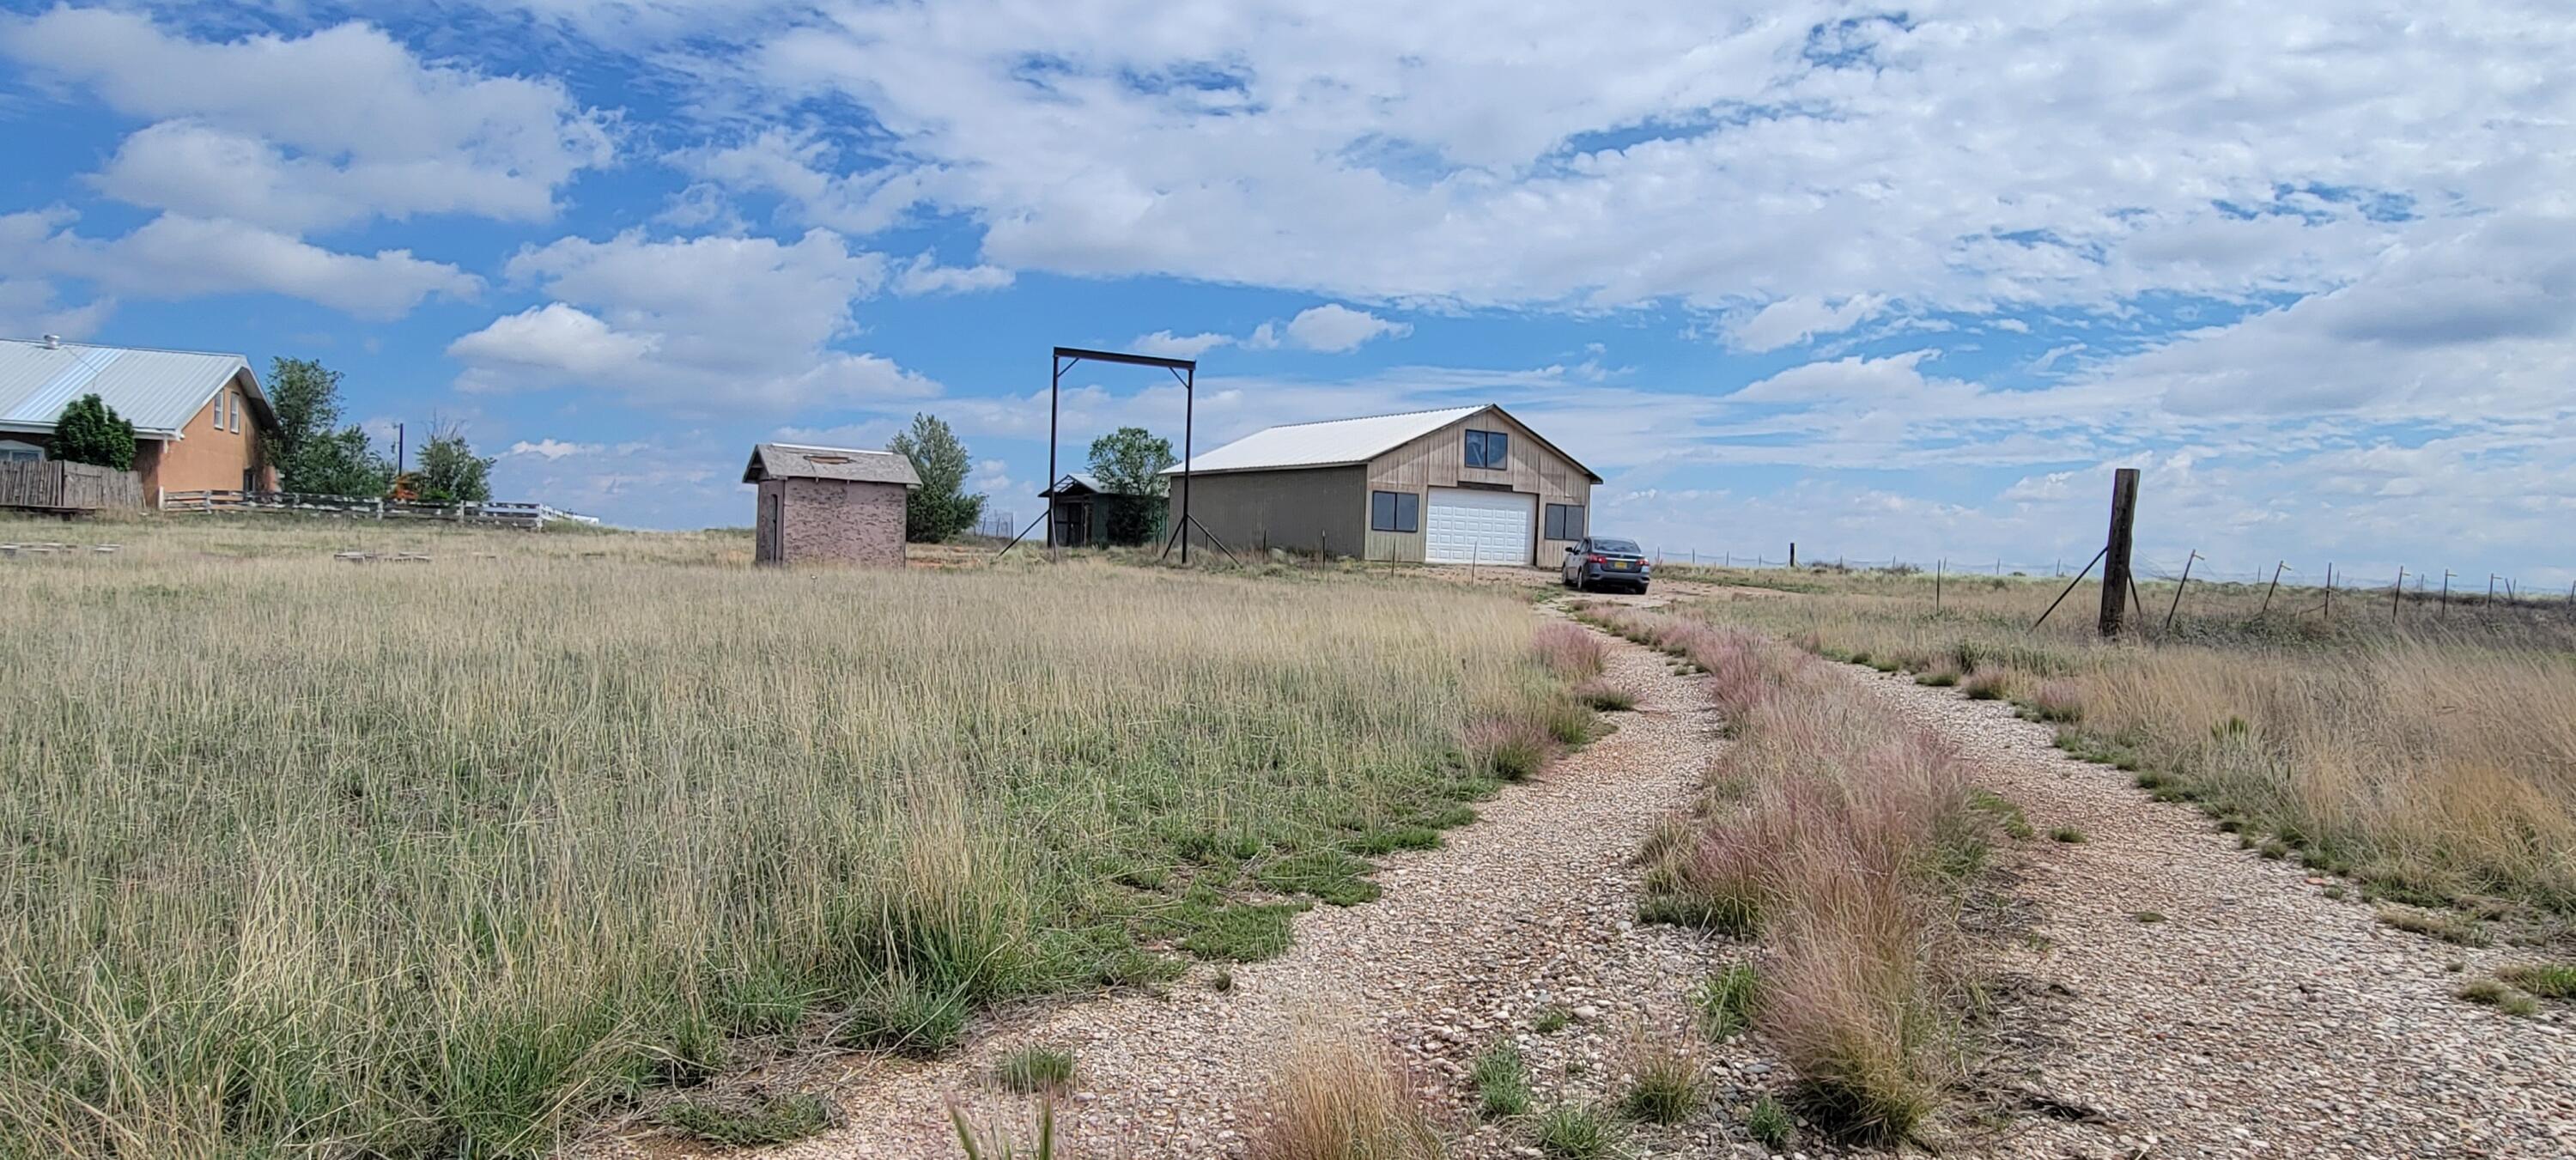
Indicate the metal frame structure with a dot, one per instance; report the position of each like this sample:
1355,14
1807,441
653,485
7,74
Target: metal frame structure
1186,371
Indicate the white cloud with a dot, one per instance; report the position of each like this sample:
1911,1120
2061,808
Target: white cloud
924,275
323,130
1794,320
1335,328
1165,344
706,323
553,449
173,256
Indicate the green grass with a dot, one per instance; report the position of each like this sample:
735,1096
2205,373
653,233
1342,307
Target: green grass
1502,1082
2491,993
2148,916
1664,1084
1035,1069
1576,1132
1550,1019
443,860
2068,834
759,1120
2449,928
1725,1001
1770,1124
2547,980
2007,814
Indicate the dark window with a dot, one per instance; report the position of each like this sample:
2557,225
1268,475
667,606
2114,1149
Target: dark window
1489,449
1565,521
1618,547
1395,511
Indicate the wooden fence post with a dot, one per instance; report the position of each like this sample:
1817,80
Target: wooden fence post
2115,558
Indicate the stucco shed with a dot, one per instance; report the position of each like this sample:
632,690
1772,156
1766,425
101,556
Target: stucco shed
829,505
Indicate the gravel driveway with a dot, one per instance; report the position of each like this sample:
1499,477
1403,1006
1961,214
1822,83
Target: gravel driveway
2259,1018
1530,906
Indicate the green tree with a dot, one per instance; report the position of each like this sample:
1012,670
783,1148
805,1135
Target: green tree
314,454
450,472
1130,461
90,431
1129,464
941,509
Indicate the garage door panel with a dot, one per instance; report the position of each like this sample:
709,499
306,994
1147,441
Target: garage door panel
1465,526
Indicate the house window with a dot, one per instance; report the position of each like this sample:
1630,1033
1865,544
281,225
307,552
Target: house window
13,451
1395,511
236,413
1565,521
1489,449
220,397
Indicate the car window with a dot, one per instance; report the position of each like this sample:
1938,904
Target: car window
1624,547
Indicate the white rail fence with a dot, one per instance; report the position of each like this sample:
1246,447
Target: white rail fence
518,515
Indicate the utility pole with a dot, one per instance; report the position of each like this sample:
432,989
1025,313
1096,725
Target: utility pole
399,448
2395,594
1793,553
2115,559
2445,608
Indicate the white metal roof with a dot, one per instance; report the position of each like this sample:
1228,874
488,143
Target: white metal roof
1338,442
156,390
1326,444
795,461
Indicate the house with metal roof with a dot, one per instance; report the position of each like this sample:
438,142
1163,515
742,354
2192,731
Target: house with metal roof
200,421
1459,485
829,505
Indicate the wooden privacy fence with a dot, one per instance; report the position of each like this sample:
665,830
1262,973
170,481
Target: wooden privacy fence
56,486
517,515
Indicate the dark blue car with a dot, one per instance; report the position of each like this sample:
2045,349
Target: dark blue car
1605,562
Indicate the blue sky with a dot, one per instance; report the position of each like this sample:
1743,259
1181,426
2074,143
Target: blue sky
1891,283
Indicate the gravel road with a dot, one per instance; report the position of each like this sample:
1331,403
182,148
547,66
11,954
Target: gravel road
2259,1018
1530,906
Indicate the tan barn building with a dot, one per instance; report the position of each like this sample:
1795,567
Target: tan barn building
1455,486
829,505
200,421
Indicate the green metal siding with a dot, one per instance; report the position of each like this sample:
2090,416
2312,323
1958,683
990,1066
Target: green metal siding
1314,509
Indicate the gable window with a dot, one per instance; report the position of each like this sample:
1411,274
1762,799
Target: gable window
1395,511
1565,521
1491,450
237,402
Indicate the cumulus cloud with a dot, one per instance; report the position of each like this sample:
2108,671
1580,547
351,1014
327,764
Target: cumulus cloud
707,323
174,256
553,449
924,275
1166,344
327,129
1335,328
1794,320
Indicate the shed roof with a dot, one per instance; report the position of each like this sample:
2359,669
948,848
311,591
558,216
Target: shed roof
1077,483
1340,442
156,390
793,461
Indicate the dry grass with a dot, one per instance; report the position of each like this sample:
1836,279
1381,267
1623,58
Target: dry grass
415,860
2435,760
1337,1098
1840,836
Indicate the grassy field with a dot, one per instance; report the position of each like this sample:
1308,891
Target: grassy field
441,858
2429,752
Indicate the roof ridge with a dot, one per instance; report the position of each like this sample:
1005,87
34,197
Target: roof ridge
66,343
1386,415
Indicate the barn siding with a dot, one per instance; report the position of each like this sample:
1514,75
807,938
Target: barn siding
1314,509
1439,459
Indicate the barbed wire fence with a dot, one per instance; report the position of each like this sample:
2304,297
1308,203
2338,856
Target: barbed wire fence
2320,589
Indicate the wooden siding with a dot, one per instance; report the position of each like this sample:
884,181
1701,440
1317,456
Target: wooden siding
53,485
1439,459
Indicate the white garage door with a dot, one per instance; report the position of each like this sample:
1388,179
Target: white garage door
1466,527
